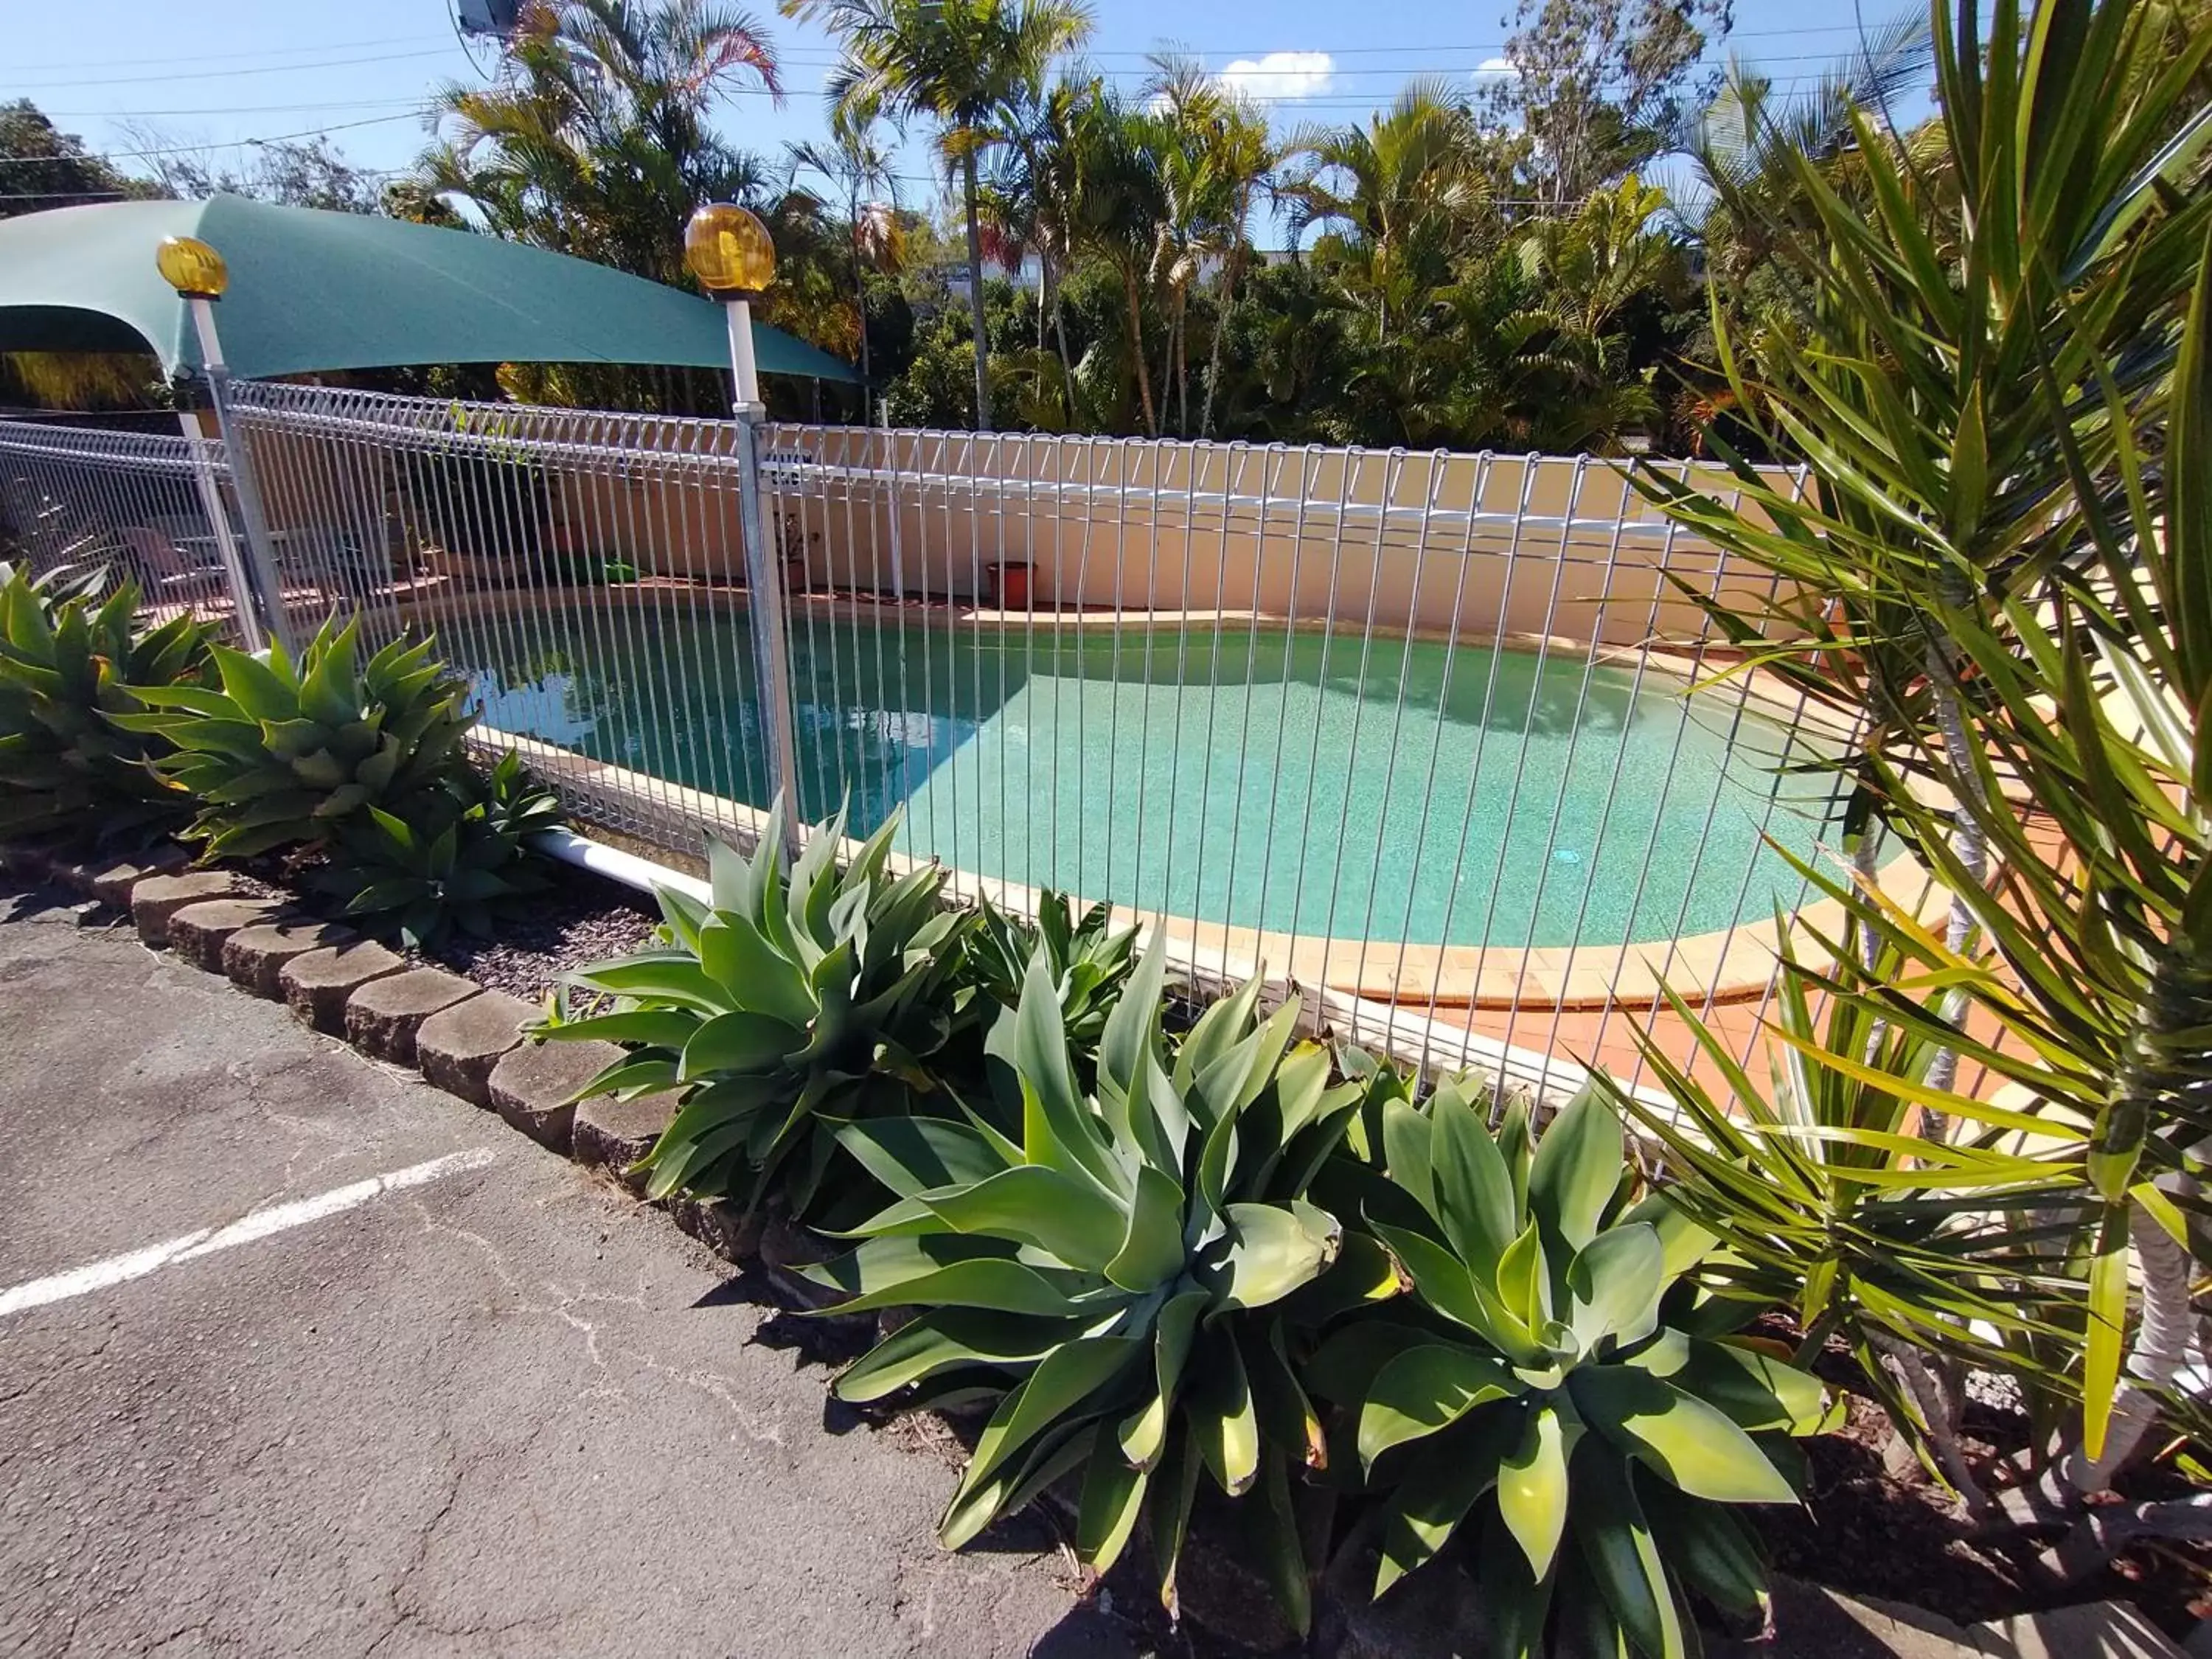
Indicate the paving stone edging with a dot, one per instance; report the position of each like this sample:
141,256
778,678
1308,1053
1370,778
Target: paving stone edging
468,1041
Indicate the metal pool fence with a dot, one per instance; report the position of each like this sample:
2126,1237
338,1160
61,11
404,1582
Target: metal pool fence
1416,731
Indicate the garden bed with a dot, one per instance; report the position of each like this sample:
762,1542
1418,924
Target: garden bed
1864,1530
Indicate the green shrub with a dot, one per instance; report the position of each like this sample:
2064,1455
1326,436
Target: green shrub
67,655
283,755
1563,1383
1089,960
458,859
1119,1272
800,998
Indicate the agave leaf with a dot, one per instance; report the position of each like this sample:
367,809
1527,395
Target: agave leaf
1425,1389
1613,1286
912,1155
947,1338
734,956
1474,1190
1151,1248
1217,1405
1062,1382
1270,1250
1069,1219
1576,1170
1532,1484
1427,1507
1691,1442
981,1284
1621,1555
739,1041
1112,1502
1144,1433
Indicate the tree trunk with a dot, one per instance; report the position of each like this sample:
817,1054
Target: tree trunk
1182,362
1137,350
1220,328
1970,843
1167,375
1067,362
975,292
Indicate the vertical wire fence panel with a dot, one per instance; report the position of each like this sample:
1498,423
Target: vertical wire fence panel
141,505
1439,735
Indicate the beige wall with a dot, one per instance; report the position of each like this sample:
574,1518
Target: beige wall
1554,546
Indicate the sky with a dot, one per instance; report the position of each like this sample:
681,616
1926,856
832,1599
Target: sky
124,75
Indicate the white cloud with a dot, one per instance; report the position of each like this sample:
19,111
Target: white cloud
1280,75
1491,67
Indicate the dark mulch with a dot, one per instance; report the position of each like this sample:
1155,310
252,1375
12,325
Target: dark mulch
1901,1537
581,918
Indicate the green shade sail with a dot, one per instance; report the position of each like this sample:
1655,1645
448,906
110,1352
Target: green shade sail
312,290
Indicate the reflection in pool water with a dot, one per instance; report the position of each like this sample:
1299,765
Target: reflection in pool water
1260,777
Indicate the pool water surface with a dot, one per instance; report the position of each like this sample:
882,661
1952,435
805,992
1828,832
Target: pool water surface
1253,774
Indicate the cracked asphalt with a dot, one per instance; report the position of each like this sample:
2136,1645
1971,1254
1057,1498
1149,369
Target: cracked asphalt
504,1412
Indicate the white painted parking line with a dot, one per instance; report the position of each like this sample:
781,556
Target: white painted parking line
259,1223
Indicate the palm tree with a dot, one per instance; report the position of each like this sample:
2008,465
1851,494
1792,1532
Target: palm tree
1029,200
1121,201
1246,155
1402,191
960,63
593,139
854,160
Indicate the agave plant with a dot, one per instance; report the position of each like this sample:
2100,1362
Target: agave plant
459,859
1089,960
1563,1384
802,997
284,753
1119,1272
66,655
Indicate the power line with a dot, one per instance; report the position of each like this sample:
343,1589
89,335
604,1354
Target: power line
193,149
225,57
216,74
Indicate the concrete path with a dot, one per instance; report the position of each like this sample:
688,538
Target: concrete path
300,1356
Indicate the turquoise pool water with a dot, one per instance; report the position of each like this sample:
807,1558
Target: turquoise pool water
1266,777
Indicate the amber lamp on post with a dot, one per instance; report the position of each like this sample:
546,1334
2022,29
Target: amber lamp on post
729,250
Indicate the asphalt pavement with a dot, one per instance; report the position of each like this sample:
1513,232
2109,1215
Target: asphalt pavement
301,1356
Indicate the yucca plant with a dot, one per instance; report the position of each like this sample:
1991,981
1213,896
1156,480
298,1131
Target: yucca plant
1119,1271
2000,385
803,998
459,859
67,653
1827,1200
283,753
1572,1390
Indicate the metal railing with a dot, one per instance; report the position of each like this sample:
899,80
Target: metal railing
155,506
1438,734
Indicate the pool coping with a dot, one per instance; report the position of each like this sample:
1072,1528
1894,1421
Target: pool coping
1721,965
1726,964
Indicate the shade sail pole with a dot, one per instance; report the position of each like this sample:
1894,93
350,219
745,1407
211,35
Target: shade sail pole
763,578
276,623
208,483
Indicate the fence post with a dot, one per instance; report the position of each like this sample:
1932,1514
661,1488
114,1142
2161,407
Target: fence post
729,250
764,609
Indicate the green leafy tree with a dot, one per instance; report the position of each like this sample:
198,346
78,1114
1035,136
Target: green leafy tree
959,63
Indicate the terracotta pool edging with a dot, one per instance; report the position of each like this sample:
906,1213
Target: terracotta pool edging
1734,964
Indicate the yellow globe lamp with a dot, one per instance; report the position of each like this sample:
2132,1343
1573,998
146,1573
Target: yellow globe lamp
192,267
729,250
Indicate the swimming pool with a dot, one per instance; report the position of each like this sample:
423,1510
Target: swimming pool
1255,774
